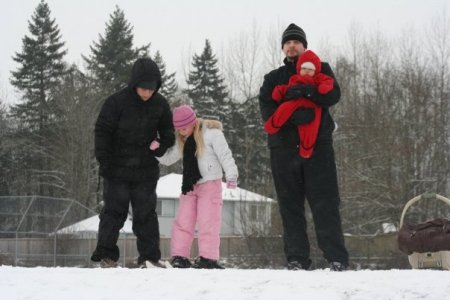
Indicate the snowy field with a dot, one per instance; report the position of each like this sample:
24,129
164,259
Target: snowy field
109,284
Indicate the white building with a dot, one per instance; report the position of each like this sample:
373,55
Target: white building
243,212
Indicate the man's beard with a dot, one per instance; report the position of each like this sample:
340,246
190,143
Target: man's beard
293,55
292,58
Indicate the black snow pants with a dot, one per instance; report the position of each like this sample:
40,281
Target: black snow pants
117,196
316,179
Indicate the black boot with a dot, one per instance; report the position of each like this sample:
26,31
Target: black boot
108,263
206,263
101,252
180,262
337,266
295,265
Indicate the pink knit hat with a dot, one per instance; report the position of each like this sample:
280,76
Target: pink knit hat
183,116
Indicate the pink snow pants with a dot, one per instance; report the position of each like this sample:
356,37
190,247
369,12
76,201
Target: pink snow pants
203,206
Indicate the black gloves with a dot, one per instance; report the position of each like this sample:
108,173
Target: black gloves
300,90
160,151
302,116
186,188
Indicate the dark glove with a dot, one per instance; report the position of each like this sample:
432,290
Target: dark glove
294,92
302,116
159,151
308,90
186,188
300,90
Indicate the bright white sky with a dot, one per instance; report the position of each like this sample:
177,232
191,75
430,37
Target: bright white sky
179,28
18,283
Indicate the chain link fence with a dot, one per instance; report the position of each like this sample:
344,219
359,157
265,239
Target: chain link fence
30,228
34,231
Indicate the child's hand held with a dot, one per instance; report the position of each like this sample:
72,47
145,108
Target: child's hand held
154,145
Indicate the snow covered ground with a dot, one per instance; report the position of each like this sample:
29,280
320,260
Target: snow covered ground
109,284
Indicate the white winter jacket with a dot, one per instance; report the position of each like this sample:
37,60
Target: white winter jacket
216,157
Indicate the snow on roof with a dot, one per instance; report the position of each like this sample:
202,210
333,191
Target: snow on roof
91,225
169,186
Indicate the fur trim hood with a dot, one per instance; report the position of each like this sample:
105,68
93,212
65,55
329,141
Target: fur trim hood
211,124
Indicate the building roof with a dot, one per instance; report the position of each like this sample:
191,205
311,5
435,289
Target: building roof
169,186
91,225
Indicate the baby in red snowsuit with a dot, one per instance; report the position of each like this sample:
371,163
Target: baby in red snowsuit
308,72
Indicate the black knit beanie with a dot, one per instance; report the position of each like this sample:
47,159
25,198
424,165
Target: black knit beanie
293,32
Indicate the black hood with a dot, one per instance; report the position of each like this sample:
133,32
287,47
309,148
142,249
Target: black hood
145,69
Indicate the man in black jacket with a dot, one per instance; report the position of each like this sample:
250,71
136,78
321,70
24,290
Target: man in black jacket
295,177
128,122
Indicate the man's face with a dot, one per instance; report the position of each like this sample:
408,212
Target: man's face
145,94
293,49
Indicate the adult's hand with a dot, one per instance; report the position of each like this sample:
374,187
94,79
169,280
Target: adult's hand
294,92
303,115
300,90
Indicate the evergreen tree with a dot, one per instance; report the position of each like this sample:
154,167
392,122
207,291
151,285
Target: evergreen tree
247,140
113,55
206,87
5,153
169,85
40,70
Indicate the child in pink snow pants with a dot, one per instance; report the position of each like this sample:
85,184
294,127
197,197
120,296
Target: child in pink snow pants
206,155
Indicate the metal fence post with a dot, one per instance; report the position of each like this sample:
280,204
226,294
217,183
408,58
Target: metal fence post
125,250
15,252
20,224
56,230
54,249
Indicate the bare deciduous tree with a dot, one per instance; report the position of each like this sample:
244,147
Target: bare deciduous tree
74,139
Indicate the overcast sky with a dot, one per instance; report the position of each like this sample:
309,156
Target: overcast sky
177,27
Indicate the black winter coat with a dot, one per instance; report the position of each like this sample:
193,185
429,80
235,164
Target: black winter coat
127,125
288,135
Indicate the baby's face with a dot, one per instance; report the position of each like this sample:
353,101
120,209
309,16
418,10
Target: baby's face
307,72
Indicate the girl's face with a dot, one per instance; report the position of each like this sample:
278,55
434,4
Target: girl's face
187,131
